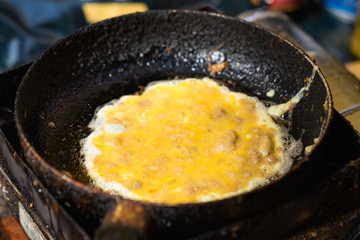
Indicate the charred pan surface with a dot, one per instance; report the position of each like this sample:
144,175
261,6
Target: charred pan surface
119,56
19,184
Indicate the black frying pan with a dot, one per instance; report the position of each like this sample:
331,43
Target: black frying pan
58,96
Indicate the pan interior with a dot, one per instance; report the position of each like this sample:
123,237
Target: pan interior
120,56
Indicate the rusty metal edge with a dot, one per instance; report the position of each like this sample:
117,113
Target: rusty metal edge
43,219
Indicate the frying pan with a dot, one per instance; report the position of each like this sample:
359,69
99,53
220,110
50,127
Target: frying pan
58,95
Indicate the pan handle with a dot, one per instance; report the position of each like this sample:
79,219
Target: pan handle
126,220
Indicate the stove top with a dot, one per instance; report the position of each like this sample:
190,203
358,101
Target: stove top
325,206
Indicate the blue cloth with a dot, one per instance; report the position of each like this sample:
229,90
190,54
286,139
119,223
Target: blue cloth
27,28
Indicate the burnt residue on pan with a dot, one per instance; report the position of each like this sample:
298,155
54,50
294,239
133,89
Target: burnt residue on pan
61,90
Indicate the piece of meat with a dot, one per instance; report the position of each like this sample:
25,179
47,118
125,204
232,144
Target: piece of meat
227,142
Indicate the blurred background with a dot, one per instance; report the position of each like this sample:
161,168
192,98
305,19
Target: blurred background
28,27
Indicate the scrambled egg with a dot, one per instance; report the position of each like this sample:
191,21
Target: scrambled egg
184,141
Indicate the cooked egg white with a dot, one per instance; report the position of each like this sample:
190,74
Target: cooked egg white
184,141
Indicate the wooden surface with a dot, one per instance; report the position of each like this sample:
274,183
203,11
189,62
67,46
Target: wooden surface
345,88
10,228
354,68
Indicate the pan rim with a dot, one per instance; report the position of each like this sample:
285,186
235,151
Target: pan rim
31,151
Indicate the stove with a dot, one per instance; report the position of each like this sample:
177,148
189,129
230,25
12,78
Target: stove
325,206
